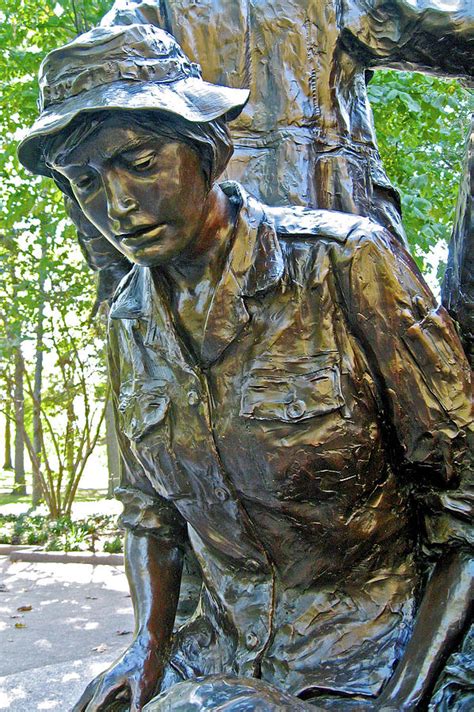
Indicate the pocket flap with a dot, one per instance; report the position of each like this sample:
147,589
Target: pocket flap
141,409
292,397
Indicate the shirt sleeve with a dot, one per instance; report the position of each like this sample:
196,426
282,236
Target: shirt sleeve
145,512
130,12
429,35
423,376
458,283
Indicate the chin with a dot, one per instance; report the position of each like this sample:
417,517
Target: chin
158,252
152,257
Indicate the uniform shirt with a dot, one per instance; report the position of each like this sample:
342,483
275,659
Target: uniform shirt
306,136
315,443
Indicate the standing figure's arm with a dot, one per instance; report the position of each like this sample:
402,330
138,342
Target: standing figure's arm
458,284
442,619
154,545
425,386
130,12
435,36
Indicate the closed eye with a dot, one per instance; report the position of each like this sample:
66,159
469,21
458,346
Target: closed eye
143,162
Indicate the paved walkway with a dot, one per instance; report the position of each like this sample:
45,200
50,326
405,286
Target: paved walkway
76,619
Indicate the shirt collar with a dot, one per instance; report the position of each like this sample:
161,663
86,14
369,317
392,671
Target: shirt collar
255,257
254,264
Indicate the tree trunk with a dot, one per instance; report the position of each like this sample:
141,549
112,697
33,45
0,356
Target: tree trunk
37,387
69,464
7,456
18,400
113,453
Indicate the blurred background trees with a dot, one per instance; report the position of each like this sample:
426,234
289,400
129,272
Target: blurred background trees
52,372
421,123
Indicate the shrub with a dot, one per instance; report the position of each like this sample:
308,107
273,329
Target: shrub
114,546
63,534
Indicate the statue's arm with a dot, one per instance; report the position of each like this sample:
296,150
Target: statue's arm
425,386
435,36
443,617
128,12
153,569
154,546
458,285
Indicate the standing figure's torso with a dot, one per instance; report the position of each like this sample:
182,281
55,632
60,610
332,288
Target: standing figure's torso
306,136
289,56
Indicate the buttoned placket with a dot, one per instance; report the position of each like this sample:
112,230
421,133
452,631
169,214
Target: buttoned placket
194,411
253,641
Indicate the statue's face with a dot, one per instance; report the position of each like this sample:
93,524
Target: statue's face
143,192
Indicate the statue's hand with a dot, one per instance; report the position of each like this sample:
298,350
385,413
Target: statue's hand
134,676
385,703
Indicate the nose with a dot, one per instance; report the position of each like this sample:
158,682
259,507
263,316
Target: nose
119,201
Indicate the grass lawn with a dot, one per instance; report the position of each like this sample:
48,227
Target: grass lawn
88,500
92,489
83,495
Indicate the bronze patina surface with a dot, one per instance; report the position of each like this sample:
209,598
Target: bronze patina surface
292,405
306,136
458,283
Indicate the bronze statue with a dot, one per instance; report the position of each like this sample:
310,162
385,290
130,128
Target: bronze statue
458,283
292,405
306,136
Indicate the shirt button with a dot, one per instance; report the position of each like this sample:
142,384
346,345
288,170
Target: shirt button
193,397
251,640
296,410
221,494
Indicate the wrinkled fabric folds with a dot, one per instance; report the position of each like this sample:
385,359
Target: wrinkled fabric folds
327,414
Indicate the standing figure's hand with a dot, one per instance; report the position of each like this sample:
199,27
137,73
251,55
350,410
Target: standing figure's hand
134,676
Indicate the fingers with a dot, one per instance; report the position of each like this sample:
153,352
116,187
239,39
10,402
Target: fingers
86,697
104,694
99,693
140,695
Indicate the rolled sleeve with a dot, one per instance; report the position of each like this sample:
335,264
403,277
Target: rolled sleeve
412,34
424,381
448,514
144,514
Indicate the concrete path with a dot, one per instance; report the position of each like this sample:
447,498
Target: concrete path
76,620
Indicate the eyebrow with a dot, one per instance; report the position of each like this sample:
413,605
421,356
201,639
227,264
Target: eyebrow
134,143
129,146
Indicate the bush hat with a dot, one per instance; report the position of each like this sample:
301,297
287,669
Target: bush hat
132,67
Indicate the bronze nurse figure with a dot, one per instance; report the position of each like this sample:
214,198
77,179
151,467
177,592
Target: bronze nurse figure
292,405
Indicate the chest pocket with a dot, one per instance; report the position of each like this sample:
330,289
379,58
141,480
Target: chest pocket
142,407
292,397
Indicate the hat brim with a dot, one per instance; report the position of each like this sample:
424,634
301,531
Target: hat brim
191,98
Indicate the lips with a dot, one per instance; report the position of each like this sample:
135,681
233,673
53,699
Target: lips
141,237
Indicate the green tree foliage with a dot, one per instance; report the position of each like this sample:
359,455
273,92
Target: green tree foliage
36,238
421,123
